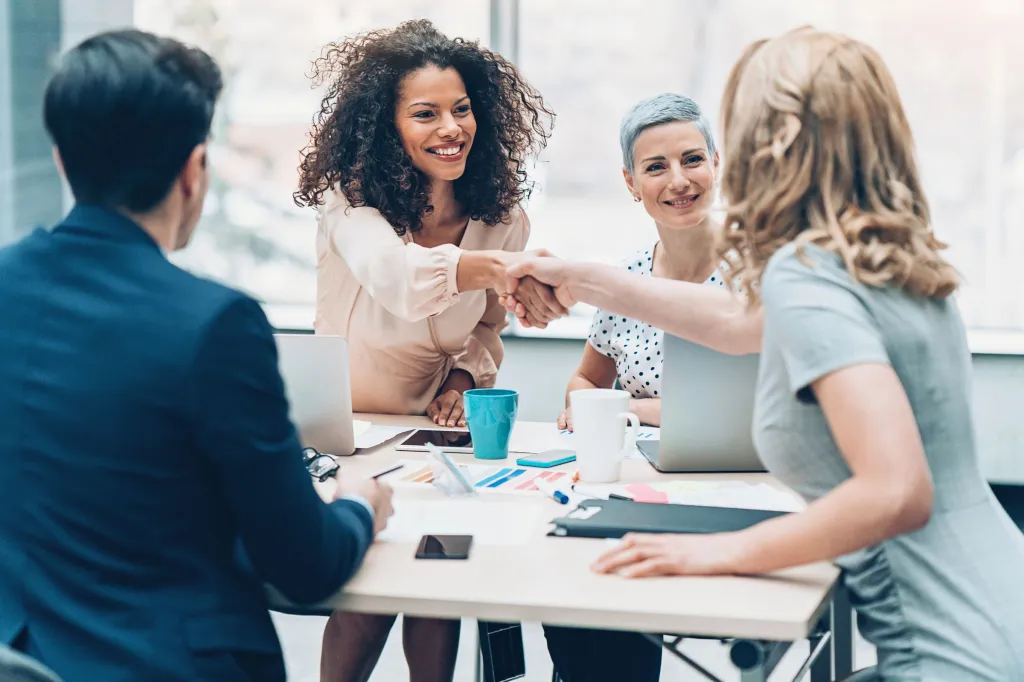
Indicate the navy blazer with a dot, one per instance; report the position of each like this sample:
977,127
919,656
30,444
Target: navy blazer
145,449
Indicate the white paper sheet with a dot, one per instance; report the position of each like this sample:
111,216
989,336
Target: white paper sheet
744,496
359,427
374,435
490,523
533,438
649,433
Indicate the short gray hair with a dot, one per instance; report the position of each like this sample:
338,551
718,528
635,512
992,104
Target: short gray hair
667,107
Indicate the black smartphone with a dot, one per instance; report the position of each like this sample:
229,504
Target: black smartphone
444,547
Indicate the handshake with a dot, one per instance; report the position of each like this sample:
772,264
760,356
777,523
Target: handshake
537,287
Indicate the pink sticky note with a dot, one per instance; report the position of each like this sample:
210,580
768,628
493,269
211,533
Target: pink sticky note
641,492
546,475
530,483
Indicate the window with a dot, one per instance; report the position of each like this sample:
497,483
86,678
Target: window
592,59
32,35
30,188
252,235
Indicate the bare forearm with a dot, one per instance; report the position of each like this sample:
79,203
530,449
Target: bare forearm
648,409
479,270
710,316
458,380
855,515
579,383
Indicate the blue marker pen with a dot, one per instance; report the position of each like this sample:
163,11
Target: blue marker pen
551,491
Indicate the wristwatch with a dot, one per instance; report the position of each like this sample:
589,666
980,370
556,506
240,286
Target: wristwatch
319,466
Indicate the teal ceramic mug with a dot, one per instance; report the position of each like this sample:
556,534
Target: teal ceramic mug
490,415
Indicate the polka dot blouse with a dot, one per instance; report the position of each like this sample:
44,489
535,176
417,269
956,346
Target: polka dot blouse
635,347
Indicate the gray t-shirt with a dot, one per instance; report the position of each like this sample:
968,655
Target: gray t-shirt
942,603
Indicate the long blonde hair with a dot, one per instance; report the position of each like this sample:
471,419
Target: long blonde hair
818,150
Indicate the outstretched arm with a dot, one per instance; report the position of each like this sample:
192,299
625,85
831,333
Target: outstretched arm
410,281
833,354
710,316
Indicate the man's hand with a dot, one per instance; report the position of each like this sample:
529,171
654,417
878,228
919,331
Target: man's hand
376,493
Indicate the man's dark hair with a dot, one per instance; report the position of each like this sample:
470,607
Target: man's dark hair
125,109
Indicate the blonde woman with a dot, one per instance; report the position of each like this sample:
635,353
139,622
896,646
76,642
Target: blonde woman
863,400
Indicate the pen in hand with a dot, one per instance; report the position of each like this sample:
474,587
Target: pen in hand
388,470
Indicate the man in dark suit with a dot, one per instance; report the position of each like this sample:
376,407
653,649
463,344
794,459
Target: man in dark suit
150,479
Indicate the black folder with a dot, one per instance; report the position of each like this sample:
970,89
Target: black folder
615,518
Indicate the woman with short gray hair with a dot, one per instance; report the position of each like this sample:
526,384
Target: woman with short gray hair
670,163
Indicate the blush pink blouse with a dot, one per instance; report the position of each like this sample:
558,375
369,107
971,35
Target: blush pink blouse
399,307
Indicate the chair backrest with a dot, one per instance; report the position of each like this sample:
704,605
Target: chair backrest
17,667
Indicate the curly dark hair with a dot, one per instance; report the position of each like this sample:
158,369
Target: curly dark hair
355,146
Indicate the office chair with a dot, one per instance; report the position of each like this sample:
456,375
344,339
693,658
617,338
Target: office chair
17,667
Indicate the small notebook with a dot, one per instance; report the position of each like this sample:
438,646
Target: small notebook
615,518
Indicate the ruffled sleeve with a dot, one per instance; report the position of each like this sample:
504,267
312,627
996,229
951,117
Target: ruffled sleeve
409,281
484,350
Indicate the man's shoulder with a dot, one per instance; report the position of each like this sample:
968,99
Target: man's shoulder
205,300
12,252
139,286
208,293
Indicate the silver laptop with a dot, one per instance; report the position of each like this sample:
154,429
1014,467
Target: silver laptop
707,408
315,372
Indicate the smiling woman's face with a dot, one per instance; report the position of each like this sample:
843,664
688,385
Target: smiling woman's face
435,120
673,174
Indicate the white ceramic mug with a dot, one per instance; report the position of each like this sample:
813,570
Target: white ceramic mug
599,418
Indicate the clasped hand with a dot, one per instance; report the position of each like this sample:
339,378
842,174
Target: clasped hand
533,293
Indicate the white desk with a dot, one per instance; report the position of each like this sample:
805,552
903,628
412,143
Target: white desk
549,579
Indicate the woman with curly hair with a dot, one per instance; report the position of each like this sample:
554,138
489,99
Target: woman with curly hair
417,167
863,400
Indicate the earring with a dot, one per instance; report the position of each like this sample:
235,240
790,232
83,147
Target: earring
636,198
